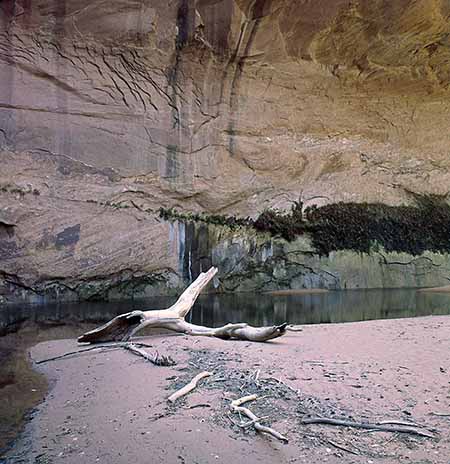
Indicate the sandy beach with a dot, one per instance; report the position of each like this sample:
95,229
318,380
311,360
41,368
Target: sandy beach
444,289
111,406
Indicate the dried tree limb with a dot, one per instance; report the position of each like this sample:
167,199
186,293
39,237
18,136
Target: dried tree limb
240,331
99,347
365,425
254,420
156,359
124,326
189,387
117,329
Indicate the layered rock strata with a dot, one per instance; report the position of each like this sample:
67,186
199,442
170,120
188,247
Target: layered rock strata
109,110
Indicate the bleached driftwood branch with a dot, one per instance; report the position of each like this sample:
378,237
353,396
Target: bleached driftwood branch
124,326
236,406
189,387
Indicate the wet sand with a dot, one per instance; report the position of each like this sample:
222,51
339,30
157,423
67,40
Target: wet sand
444,289
111,406
21,386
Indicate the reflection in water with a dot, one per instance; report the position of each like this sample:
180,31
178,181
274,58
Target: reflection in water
348,306
256,309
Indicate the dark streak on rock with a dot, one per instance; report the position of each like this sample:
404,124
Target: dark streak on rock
257,14
64,140
27,11
6,229
197,255
182,24
171,162
184,28
8,12
8,248
60,14
188,250
68,237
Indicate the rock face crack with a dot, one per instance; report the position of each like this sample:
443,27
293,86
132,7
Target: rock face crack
413,261
16,282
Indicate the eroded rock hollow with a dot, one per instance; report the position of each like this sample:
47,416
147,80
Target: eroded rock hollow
109,110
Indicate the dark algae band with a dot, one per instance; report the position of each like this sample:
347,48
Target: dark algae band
360,227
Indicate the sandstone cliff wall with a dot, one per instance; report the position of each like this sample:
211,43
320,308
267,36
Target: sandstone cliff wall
109,110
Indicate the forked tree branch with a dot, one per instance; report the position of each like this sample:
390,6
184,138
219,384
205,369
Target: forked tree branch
124,326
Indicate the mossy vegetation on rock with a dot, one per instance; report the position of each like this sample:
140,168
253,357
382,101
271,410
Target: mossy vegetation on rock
216,219
360,227
288,226
364,226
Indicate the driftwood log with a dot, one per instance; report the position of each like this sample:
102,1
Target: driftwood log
124,326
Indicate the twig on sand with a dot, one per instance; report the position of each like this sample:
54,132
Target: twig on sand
73,353
244,425
252,378
365,425
155,359
98,347
135,348
294,328
268,379
342,447
405,423
254,420
440,414
385,442
189,387
199,405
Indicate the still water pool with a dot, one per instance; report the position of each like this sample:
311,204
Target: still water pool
256,309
